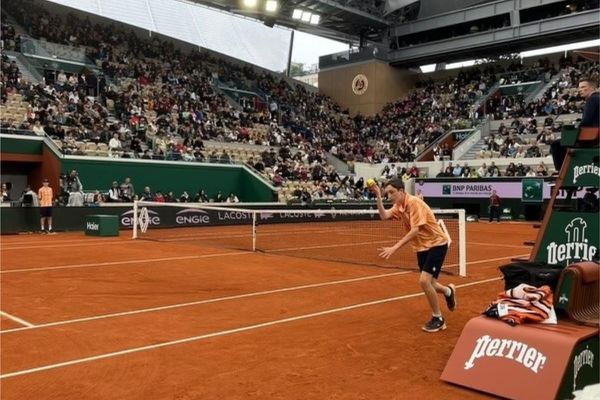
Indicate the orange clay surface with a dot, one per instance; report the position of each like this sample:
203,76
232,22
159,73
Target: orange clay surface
113,318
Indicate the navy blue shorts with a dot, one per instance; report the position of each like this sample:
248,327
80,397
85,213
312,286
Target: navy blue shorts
45,212
431,260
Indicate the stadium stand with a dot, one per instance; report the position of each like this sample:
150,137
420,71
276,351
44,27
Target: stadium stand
158,103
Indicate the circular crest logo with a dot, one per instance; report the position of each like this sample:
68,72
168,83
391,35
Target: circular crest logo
360,83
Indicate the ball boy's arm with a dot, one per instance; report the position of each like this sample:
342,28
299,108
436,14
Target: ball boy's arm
383,213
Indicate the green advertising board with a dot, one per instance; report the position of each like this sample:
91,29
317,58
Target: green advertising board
584,169
532,190
571,237
583,368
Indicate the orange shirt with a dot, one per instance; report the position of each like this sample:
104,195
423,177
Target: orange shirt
45,196
415,212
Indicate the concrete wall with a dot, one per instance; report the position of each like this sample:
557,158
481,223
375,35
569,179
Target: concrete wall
385,84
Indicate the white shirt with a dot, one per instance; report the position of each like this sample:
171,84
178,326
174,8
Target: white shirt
114,144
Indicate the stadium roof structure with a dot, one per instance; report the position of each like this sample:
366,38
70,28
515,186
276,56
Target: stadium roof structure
339,19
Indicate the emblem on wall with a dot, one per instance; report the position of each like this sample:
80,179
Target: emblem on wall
360,83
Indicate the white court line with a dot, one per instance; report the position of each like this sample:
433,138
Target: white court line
512,246
233,297
225,332
12,271
327,246
17,319
83,243
50,241
206,301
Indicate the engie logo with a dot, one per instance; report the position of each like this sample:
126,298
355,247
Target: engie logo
92,226
191,216
576,248
512,350
153,218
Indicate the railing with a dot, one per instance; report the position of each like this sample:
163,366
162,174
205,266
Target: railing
465,145
51,50
31,69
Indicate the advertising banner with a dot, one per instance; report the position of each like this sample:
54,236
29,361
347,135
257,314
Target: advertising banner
570,237
480,188
584,169
523,362
532,190
164,217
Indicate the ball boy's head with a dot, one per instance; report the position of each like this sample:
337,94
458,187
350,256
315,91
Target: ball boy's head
394,188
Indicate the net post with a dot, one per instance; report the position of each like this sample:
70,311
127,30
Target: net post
462,243
135,219
254,230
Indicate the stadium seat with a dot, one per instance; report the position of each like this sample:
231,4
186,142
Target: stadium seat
579,284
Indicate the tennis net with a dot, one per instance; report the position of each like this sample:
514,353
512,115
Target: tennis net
351,236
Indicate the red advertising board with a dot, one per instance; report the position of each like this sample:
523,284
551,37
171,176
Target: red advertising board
525,361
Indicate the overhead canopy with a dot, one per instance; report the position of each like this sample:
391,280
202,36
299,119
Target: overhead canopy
435,7
394,5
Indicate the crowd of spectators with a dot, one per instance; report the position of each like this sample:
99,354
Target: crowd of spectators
159,103
560,98
492,170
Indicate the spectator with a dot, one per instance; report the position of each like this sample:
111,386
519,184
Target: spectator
5,193
114,193
38,129
218,197
127,190
158,197
541,169
201,197
147,195
457,171
74,189
482,171
29,198
184,198
114,145
232,198
170,198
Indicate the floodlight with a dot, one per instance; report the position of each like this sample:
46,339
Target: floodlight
250,3
297,14
314,19
271,6
306,16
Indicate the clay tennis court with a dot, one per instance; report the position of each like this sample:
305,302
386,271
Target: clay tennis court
100,318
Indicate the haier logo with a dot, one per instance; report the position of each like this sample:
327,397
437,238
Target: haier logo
576,247
92,226
145,216
512,350
191,216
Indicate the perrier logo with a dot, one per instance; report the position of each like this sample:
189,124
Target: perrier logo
576,248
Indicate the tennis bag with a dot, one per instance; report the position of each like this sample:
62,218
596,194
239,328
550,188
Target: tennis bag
532,273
